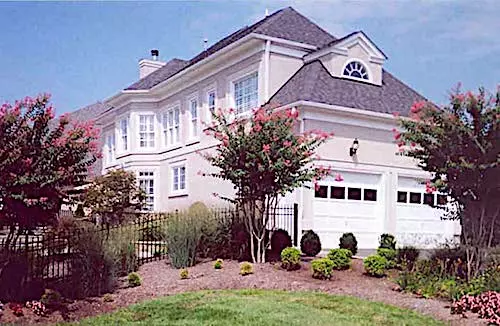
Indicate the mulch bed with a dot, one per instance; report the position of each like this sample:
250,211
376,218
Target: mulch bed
160,279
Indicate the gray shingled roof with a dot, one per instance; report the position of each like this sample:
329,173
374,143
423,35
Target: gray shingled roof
285,23
314,83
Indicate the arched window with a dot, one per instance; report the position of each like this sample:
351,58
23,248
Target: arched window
356,69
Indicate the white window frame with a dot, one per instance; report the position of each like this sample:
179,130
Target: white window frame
173,180
367,67
148,175
194,122
110,148
147,132
209,91
238,78
123,138
171,137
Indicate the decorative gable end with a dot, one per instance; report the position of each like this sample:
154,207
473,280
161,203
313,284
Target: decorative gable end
354,57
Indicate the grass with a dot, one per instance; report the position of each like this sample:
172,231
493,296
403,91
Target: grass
260,307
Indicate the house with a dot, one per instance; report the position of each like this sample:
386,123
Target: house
154,128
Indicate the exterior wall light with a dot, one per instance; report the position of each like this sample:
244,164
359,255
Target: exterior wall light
354,147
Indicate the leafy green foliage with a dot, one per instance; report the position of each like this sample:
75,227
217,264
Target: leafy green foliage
246,268
108,298
389,255
218,264
290,259
264,158
341,258
310,243
280,240
348,241
40,158
113,195
322,268
407,255
375,265
52,299
184,274
134,279
387,241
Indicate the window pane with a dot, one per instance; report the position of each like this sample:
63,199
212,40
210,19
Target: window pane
370,194
246,93
337,192
415,197
429,199
322,192
354,193
402,197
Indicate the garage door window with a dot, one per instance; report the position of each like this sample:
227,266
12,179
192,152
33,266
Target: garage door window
354,193
370,195
321,192
337,192
429,199
402,197
415,198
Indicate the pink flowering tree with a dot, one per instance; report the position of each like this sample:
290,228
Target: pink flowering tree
264,159
460,145
40,157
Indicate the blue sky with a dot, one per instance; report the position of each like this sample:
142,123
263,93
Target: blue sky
81,52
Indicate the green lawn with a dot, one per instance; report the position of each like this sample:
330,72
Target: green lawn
260,307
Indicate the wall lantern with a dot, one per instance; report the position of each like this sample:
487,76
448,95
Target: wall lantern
354,147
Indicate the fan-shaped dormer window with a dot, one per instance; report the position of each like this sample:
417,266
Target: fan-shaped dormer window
356,69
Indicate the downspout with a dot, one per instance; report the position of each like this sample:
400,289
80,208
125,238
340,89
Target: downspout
267,61
301,192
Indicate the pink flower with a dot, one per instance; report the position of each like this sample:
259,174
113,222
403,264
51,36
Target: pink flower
43,199
266,148
287,163
417,107
338,177
257,128
287,143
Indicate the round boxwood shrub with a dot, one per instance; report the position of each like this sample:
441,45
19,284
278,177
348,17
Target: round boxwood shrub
341,258
218,264
310,244
290,259
387,241
375,265
184,274
389,254
246,268
134,279
348,241
322,268
279,241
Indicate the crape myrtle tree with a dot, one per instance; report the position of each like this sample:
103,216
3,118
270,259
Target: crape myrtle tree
460,145
40,157
264,159
113,195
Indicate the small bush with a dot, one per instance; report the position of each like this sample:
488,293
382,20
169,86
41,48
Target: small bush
341,258
389,254
108,298
184,274
52,299
218,264
290,259
407,255
134,279
246,268
322,268
310,244
387,241
348,241
280,240
375,265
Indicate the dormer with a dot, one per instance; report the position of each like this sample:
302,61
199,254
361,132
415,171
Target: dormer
353,57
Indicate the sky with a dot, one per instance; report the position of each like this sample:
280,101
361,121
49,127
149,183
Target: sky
83,52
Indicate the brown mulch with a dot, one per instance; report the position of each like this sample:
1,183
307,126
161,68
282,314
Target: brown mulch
160,279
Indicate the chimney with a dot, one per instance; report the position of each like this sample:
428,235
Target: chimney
147,66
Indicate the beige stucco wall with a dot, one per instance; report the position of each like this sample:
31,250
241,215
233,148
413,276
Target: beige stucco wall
281,69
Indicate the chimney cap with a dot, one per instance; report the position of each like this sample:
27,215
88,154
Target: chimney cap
155,52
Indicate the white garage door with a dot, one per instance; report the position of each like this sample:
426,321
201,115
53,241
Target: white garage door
417,223
352,205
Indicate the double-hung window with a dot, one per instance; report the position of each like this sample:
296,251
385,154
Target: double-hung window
110,148
178,179
193,118
124,134
146,131
171,124
147,184
246,93
211,103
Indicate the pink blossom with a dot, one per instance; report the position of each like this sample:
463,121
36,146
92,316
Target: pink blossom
28,161
338,177
287,143
257,128
43,199
266,148
287,163
417,107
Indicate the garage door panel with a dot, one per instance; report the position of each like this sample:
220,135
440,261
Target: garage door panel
338,208
366,240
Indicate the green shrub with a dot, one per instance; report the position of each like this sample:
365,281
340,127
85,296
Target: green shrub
134,279
154,229
290,259
389,254
310,244
52,299
341,258
375,265
280,240
387,241
322,268
407,255
108,298
246,268
182,236
348,241
184,274
120,242
218,264
217,238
